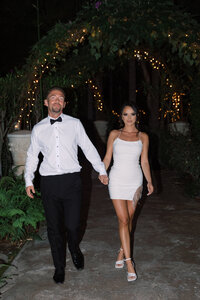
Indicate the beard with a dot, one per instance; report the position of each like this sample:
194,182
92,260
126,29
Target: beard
56,109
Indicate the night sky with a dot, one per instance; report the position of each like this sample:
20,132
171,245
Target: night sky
19,26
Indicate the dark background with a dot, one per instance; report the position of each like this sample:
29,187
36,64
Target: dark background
19,26
21,29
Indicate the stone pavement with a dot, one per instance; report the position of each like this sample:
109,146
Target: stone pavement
166,251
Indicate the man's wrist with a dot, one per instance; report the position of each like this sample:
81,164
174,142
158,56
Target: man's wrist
29,183
103,173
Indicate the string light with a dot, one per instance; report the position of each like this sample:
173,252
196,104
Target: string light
96,94
115,113
175,99
142,111
71,40
175,102
40,68
144,55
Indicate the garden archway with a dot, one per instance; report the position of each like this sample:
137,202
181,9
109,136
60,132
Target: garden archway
149,31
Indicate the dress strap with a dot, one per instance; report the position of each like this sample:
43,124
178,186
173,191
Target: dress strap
139,135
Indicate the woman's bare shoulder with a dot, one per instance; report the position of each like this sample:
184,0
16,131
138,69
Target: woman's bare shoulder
144,136
114,133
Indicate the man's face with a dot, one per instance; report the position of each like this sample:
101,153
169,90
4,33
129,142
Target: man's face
55,102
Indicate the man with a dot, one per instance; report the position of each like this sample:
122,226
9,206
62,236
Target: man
58,137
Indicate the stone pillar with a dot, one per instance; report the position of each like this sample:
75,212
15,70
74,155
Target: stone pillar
179,127
19,142
101,127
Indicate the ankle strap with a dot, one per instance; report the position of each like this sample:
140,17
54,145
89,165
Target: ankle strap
121,249
127,259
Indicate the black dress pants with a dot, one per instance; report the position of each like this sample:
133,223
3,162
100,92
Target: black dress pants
61,196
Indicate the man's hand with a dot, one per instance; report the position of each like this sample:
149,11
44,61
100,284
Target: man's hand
103,179
30,191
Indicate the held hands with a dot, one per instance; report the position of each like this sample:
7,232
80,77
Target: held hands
30,191
103,179
150,188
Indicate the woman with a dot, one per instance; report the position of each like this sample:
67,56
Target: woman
127,145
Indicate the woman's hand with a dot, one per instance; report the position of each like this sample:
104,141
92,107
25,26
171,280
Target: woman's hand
150,188
103,179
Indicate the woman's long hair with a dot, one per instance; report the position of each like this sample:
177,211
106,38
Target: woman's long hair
133,106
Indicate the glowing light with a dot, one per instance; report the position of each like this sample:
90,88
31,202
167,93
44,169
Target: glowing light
79,36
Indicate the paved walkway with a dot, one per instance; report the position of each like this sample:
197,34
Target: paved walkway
166,252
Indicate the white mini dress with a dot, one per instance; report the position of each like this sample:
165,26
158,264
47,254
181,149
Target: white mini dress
126,177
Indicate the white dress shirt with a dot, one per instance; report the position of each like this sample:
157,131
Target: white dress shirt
59,145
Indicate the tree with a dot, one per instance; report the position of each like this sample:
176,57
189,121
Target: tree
115,32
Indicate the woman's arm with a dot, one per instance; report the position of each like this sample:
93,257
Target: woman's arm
145,162
108,156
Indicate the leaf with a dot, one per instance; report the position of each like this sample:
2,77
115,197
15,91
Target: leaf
6,182
14,212
97,55
18,223
31,221
114,48
194,55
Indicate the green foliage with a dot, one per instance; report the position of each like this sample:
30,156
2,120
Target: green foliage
195,108
101,38
181,153
121,26
149,24
111,33
19,214
4,278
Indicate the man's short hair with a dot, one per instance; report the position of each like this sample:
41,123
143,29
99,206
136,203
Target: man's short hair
55,88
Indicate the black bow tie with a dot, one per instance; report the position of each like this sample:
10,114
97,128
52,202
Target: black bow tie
52,121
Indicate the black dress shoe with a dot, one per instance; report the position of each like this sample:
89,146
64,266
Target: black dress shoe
78,259
59,276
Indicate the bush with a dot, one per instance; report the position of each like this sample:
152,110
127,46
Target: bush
19,214
182,153
195,108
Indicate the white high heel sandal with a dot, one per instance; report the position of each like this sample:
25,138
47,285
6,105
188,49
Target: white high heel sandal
131,276
119,264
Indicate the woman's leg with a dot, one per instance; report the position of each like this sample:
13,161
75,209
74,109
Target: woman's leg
121,208
131,211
